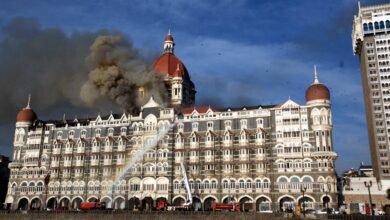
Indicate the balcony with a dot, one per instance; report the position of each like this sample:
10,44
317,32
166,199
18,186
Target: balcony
194,145
94,162
68,151
67,163
95,149
121,148
107,162
179,145
120,161
55,164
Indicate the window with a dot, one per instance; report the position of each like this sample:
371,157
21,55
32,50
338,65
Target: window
195,126
110,132
243,124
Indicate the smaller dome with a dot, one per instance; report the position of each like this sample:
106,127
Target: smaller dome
317,91
168,38
26,115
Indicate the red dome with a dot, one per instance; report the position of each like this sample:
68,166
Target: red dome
317,91
26,115
168,63
168,38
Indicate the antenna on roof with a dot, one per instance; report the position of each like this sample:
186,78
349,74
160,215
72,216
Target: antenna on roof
63,118
359,5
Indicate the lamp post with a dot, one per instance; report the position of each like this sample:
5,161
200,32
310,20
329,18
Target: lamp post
303,190
368,185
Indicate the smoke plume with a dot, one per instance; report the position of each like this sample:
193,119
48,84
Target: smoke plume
53,66
117,72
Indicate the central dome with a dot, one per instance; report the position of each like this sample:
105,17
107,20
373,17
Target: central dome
168,63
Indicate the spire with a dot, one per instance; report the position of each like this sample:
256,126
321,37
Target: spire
315,75
28,101
169,30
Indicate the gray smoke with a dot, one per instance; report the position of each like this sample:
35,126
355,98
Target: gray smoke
53,66
117,72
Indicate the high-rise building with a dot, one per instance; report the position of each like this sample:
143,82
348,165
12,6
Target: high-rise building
263,155
371,41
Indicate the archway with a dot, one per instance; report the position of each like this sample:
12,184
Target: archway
147,203
286,204
36,204
161,199
23,204
178,201
64,204
243,204
306,202
76,203
228,199
119,203
325,201
51,204
197,204
134,203
107,202
263,205
92,199
207,203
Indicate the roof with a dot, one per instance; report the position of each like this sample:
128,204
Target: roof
169,64
26,115
317,91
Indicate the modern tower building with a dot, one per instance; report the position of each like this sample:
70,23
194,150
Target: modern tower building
371,41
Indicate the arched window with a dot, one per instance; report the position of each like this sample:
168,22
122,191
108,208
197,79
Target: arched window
365,27
213,184
387,24
225,184
266,184
370,26
241,184
382,25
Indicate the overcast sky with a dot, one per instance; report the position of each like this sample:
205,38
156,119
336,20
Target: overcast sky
237,52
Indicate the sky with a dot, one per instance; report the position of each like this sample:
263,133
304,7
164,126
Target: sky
237,52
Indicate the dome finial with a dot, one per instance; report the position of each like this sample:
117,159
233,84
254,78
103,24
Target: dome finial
169,43
28,101
315,75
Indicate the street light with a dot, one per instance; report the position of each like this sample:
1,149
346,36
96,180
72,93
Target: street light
303,190
368,185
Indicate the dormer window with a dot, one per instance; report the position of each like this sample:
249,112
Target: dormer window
83,133
123,131
98,132
259,123
228,125
195,126
110,132
243,124
59,135
71,134
209,125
